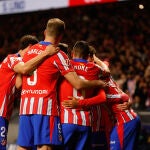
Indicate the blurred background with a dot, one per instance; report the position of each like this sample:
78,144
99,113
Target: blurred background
118,29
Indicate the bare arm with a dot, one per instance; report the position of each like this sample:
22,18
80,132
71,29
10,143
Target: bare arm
29,66
101,64
79,83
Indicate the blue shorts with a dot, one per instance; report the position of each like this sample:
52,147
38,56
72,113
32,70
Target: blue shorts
39,130
99,141
3,133
76,137
124,136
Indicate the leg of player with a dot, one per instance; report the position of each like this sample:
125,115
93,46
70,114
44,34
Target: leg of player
3,133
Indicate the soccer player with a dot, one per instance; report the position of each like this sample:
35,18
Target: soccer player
9,68
103,119
76,123
39,116
124,134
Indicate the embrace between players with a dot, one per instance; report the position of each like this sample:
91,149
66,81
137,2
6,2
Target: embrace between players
95,116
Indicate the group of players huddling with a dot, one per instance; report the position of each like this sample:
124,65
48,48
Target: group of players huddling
67,102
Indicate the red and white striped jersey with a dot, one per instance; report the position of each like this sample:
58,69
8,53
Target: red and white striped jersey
7,84
39,91
85,70
114,97
102,119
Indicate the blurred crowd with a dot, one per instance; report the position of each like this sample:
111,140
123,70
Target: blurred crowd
119,31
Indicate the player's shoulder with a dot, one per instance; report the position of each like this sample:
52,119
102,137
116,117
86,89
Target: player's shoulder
61,55
12,57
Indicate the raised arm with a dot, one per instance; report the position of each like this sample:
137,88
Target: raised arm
103,65
29,66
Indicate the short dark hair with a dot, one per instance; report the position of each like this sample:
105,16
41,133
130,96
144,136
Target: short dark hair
63,47
92,51
81,48
26,40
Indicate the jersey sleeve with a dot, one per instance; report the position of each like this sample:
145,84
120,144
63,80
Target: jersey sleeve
63,63
14,60
100,98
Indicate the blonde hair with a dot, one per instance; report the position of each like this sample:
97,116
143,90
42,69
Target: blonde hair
55,27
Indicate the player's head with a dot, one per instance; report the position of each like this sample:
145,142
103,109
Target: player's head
55,28
81,50
92,52
63,47
27,40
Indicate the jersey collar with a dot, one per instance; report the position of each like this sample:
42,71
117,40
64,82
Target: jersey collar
45,43
80,60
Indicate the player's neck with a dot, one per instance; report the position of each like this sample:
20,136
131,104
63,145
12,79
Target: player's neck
52,40
76,56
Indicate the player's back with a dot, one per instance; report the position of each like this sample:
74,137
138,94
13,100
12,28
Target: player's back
85,70
7,84
114,97
39,95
